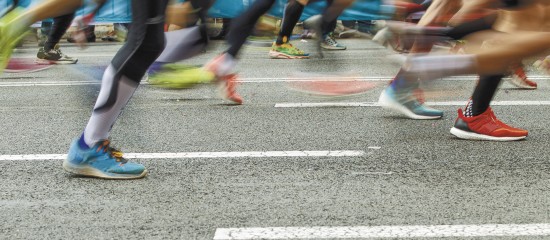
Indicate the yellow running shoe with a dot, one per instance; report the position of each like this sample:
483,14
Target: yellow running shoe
11,32
179,76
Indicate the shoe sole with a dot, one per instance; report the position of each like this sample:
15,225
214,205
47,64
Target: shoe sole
476,136
388,103
92,172
333,48
279,55
520,84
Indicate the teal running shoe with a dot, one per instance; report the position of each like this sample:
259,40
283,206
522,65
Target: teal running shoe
101,161
330,43
11,33
406,103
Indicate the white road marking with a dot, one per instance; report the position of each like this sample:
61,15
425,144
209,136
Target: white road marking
344,153
245,80
371,173
430,231
375,104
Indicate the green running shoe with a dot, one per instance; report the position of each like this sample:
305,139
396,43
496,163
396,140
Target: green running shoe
178,76
286,51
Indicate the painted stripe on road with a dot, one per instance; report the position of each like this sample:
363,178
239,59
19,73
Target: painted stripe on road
375,104
431,231
246,80
344,153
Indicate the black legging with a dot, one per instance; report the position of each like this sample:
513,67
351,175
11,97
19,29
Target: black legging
293,12
203,5
145,39
487,86
59,27
242,26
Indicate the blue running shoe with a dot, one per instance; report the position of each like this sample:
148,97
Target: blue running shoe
406,103
101,161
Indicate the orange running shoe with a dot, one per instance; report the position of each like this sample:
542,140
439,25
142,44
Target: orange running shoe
226,80
485,127
228,88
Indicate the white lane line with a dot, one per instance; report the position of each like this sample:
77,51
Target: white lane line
244,80
49,83
375,104
22,54
343,153
430,231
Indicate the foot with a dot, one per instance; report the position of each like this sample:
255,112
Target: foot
485,126
223,68
520,80
54,56
330,43
406,103
286,51
101,161
180,76
228,88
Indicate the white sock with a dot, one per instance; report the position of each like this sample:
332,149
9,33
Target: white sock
432,67
108,106
226,65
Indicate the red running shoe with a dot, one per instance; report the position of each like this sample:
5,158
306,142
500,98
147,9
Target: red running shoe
227,82
485,127
520,80
228,88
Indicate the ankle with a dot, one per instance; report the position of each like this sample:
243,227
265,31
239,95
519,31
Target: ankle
82,143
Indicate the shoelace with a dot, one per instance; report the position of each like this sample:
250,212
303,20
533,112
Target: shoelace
294,49
330,41
116,154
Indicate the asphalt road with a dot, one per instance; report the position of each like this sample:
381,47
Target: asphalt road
410,173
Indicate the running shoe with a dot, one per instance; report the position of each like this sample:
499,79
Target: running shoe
101,161
226,80
543,65
286,51
228,88
330,43
520,80
387,39
11,33
84,33
54,56
407,103
348,33
485,126
180,76
118,34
